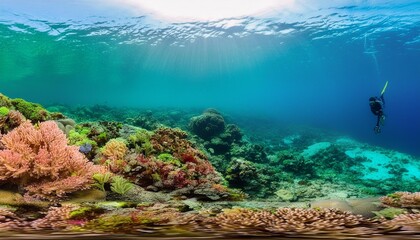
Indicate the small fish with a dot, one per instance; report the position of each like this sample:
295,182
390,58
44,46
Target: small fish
85,148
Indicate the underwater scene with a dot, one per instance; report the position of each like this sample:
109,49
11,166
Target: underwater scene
200,119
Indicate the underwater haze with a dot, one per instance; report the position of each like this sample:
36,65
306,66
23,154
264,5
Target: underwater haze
295,62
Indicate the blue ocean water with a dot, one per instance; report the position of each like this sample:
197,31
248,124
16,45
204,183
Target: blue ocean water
313,64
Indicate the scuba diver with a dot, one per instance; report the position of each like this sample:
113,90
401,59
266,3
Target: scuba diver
377,105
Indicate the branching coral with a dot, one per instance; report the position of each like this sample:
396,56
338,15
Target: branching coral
402,199
38,160
289,220
9,220
406,219
55,218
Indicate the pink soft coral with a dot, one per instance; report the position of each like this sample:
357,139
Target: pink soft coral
39,161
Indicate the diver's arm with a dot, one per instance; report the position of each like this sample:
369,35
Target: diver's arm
383,99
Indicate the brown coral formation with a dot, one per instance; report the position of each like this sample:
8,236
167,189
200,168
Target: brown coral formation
174,141
289,220
55,218
9,220
402,200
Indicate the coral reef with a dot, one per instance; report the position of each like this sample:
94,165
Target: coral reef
157,218
38,160
112,154
332,162
390,213
187,172
10,119
145,121
290,220
161,175
402,200
208,124
140,141
243,174
174,141
120,185
66,125
249,151
34,111
99,132
294,163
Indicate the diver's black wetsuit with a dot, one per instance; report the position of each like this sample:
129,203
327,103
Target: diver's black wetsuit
377,108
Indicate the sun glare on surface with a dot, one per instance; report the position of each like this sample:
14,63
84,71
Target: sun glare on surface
205,10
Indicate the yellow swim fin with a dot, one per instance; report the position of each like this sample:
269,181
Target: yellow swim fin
383,89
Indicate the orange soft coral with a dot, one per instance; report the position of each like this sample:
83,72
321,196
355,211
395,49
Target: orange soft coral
112,155
38,160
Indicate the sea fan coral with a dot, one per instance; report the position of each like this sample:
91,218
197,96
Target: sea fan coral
38,160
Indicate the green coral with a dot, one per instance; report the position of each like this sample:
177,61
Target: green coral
4,111
32,111
156,177
140,141
168,158
396,196
236,195
119,222
110,222
79,136
102,137
389,213
5,101
86,212
121,185
101,179
115,205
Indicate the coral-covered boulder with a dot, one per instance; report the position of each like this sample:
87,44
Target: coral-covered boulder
232,134
240,172
249,151
208,124
32,111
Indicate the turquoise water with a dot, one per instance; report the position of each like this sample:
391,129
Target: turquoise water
314,64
